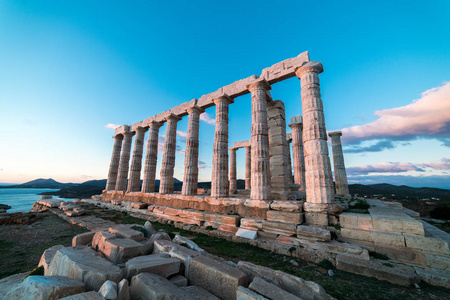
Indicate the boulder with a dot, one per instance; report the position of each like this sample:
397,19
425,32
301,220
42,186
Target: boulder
179,280
243,293
123,290
84,264
45,288
148,229
155,263
108,290
155,237
47,256
217,278
174,250
10,282
270,291
307,290
125,231
117,250
153,287
198,293
83,239
178,239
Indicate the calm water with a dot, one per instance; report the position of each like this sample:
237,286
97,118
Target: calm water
23,199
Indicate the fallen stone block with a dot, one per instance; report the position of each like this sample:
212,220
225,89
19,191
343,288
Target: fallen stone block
99,239
178,239
279,228
177,251
303,289
198,293
108,290
247,233
120,250
285,217
243,293
179,280
84,264
269,290
217,278
151,286
381,270
125,231
83,239
45,288
155,237
123,290
434,277
148,229
84,296
427,244
315,232
155,263
47,256
10,282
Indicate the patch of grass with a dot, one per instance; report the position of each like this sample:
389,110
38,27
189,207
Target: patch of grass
326,264
210,228
337,227
139,228
37,271
388,265
378,255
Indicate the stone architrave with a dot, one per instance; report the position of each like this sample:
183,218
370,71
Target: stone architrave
260,170
168,162
248,167
319,181
340,175
114,165
219,178
148,182
297,148
122,176
233,179
278,148
134,184
190,180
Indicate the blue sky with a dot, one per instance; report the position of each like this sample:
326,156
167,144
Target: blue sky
70,68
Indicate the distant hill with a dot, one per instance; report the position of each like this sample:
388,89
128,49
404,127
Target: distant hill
99,183
399,191
40,183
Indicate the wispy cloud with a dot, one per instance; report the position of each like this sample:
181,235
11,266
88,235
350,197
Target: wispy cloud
112,126
182,133
437,181
399,167
207,119
378,146
443,164
202,165
427,117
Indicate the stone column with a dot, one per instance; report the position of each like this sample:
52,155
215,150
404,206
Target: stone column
134,184
278,151
168,162
297,148
340,175
148,182
260,175
248,167
190,180
114,165
122,179
289,165
233,180
219,178
319,182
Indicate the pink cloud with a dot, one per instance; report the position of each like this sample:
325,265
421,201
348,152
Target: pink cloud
206,118
443,164
384,167
428,116
112,126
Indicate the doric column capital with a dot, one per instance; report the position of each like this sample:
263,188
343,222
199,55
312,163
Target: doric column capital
155,124
233,149
260,83
172,117
309,67
296,121
141,129
129,133
223,98
121,129
195,109
336,133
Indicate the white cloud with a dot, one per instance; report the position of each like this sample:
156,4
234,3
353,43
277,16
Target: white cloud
182,133
112,126
207,119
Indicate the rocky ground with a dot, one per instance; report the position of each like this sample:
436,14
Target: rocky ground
22,246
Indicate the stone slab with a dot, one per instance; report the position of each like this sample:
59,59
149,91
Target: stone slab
289,206
155,263
243,293
84,296
356,221
11,282
428,244
179,280
434,277
47,256
285,217
198,293
153,287
125,231
395,221
279,228
83,239
270,290
252,223
120,250
314,232
174,250
246,233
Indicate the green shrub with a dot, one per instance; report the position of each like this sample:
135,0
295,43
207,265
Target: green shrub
37,271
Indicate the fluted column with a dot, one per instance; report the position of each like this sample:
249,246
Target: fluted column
219,178
190,179
134,184
114,165
248,167
297,149
168,162
319,182
233,180
340,175
122,179
260,189
148,182
289,165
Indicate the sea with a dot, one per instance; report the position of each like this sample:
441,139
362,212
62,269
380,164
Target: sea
23,199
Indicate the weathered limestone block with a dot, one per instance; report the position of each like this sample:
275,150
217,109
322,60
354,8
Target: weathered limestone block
51,203
427,244
174,250
158,264
187,243
84,264
198,293
434,277
100,238
120,250
315,232
252,223
307,290
85,296
395,221
441,262
398,274
147,286
10,282
124,231
243,293
257,203
289,206
47,256
269,290
179,280
123,291
285,217
279,228
83,239
391,239
108,290
222,219
246,233
45,288
320,219
217,278
356,221
355,234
